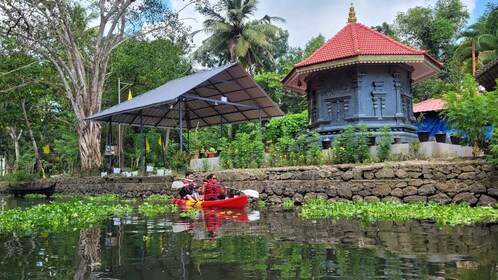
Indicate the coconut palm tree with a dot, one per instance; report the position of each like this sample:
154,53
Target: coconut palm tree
480,43
234,36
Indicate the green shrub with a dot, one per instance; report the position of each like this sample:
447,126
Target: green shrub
351,145
384,145
470,112
20,176
246,151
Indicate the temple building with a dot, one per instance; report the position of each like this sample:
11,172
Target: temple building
361,76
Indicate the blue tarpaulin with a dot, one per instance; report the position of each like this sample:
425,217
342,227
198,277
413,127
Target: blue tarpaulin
432,124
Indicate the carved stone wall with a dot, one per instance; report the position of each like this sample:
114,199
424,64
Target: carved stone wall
377,95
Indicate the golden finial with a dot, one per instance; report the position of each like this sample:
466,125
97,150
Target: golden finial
352,14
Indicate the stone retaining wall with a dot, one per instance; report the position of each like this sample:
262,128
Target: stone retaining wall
472,181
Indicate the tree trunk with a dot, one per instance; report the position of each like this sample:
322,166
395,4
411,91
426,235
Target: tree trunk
15,137
38,163
89,138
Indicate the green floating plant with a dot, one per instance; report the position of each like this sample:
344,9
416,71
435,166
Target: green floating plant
152,210
158,198
191,213
288,203
453,214
58,217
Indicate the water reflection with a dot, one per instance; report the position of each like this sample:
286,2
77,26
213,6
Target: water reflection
245,244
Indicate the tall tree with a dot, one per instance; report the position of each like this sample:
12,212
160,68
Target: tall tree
480,44
288,101
386,29
60,32
235,36
433,28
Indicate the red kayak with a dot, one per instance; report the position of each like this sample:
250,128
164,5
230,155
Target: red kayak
233,202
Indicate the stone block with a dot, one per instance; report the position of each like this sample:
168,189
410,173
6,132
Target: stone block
331,191
385,173
371,199
357,198
477,187
486,167
409,191
381,190
324,174
415,198
401,185
344,191
416,183
467,176
298,197
447,187
391,199
414,175
310,196
493,192
397,192
467,168
364,192
287,176
486,200
348,175
402,174
465,197
427,190
368,175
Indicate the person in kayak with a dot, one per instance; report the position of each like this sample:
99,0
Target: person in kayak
211,188
188,187
196,195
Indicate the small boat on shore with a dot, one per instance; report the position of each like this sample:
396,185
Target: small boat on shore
22,189
233,202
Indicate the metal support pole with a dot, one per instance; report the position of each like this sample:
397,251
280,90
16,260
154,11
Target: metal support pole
119,125
180,105
110,142
142,162
260,125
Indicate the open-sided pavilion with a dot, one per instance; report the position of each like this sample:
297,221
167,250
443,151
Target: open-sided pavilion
223,95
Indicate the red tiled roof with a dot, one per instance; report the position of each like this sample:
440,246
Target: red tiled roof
429,105
357,39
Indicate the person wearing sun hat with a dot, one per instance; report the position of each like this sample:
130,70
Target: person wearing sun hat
189,186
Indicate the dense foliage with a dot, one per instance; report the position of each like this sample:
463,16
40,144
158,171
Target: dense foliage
470,111
351,145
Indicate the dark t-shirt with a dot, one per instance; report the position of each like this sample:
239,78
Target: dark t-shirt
188,189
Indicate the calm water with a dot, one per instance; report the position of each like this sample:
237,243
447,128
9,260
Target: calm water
250,244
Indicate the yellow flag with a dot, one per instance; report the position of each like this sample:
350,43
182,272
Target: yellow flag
147,145
160,141
46,149
129,94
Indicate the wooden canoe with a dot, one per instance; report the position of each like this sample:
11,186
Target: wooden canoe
20,190
233,202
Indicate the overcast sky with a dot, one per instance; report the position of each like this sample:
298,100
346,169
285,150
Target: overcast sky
308,18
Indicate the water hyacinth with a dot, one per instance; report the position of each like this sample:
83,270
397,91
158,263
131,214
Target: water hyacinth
58,217
152,210
158,198
453,214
